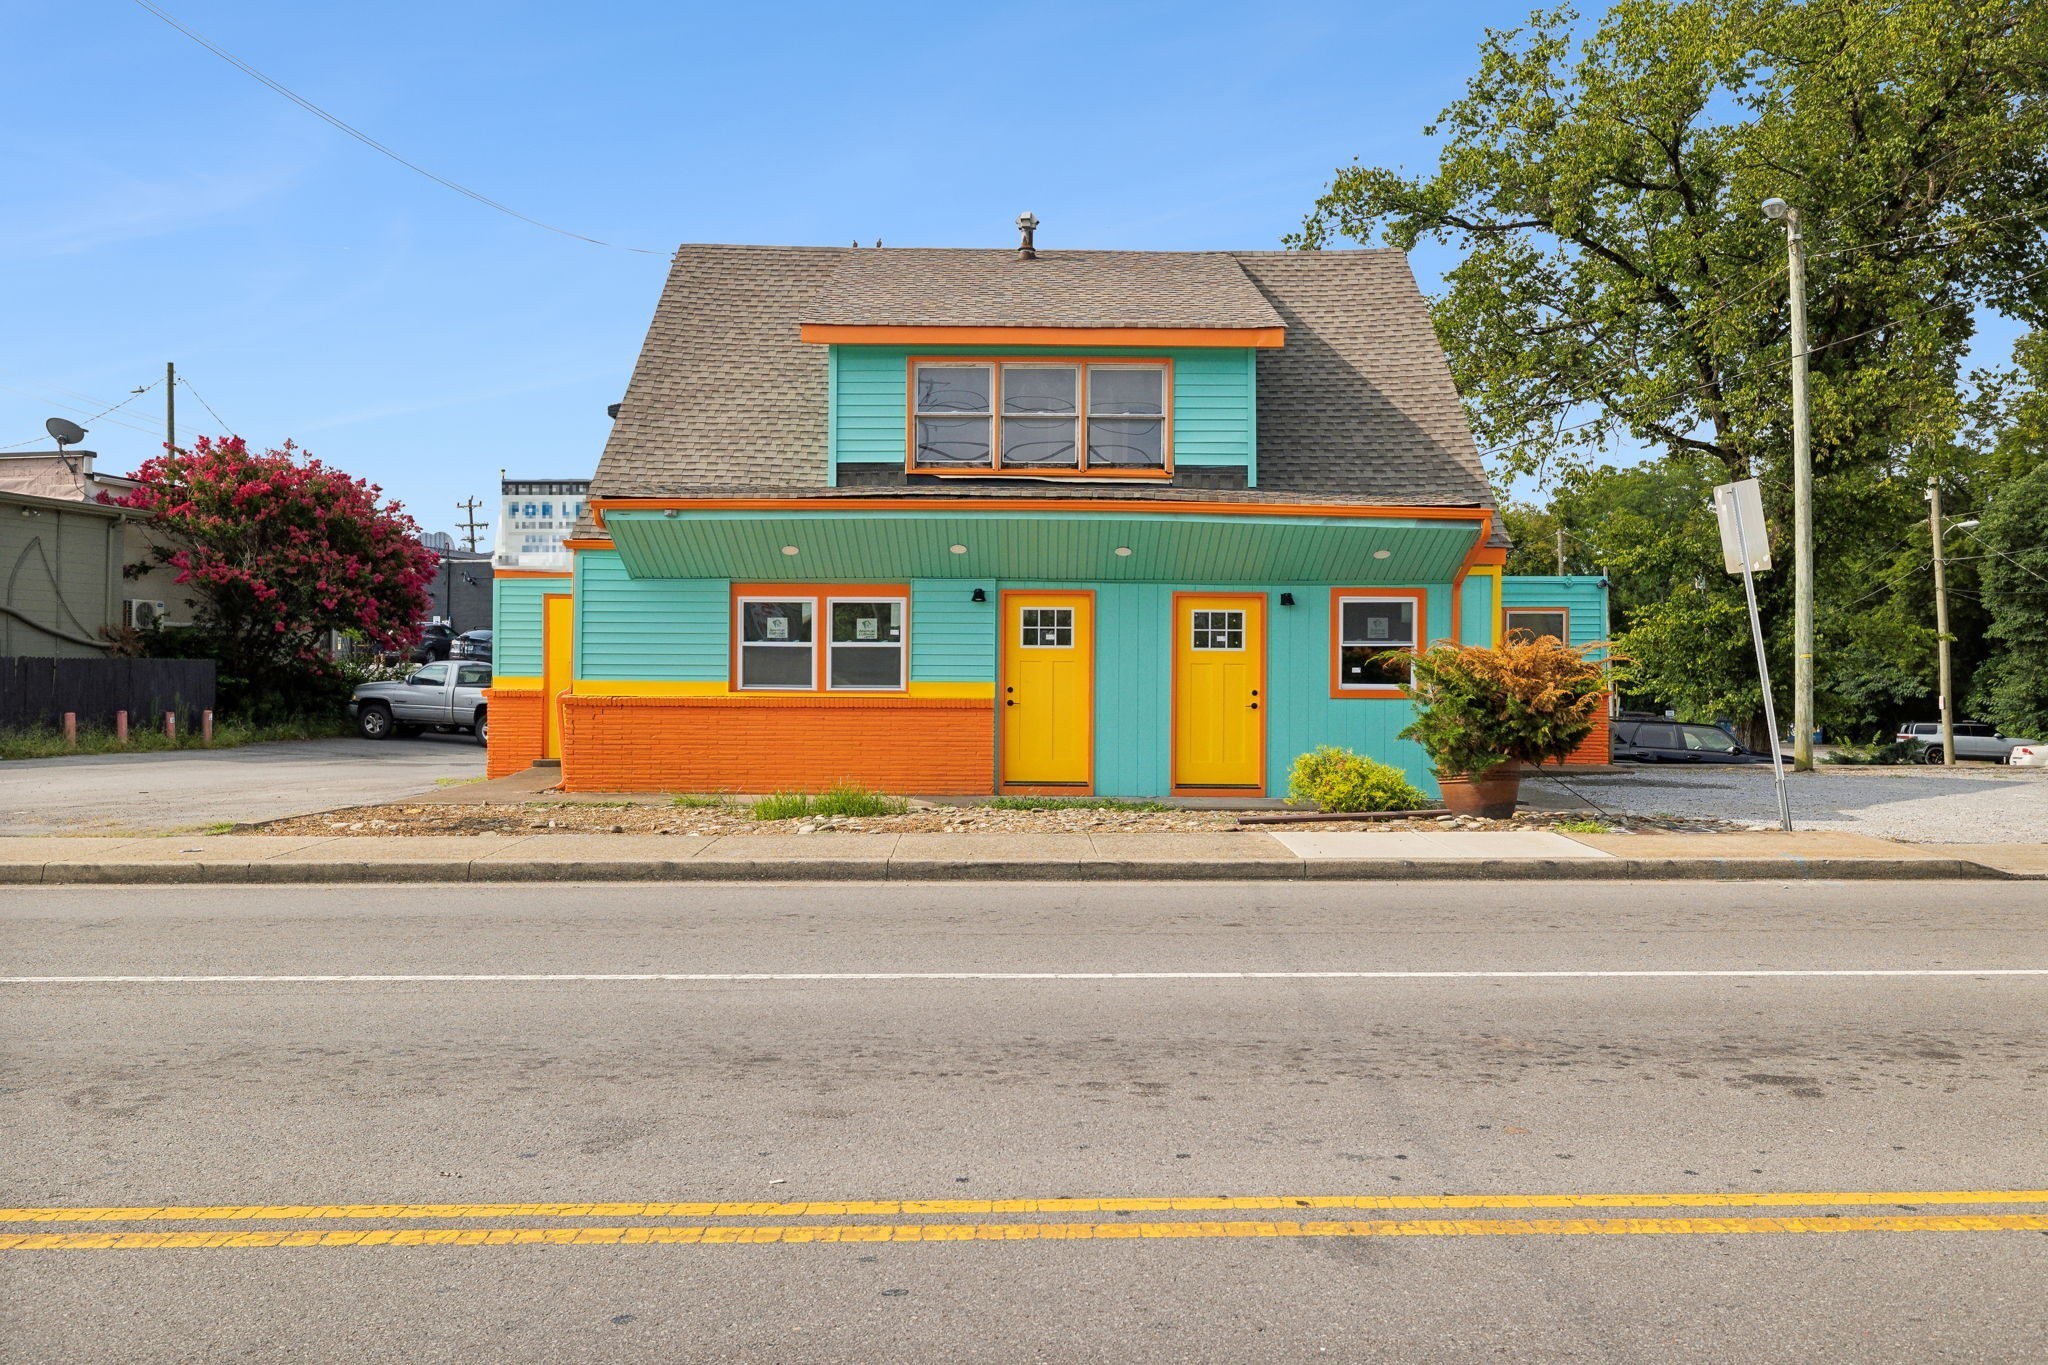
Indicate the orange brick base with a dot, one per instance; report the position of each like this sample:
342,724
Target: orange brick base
515,732
1593,748
937,746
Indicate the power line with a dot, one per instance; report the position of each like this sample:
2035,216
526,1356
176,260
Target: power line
87,417
359,135
204,404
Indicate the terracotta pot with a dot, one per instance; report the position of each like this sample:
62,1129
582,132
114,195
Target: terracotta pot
1491,797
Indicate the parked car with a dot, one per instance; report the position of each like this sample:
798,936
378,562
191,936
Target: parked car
1670,741
444,696
1974,739
436,639
2028,756
471,644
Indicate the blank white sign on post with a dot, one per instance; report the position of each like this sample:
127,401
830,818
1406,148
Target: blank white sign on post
1740,507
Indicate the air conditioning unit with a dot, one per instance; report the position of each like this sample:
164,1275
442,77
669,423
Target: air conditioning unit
138,614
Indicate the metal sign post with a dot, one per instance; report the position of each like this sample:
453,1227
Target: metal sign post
1740,509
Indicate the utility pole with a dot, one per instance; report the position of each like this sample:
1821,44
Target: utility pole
471,526
1802,498
1948,715
170,407
1560,552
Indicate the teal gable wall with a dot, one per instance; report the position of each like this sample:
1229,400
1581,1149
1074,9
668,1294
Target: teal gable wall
648,629
516,624
1214,403
1584,596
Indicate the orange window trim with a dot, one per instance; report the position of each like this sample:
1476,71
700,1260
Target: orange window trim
1265,691
817,594
848,334
1420,596
996,468
1003,785
1565,612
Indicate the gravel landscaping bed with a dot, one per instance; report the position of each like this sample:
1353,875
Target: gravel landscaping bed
1977,803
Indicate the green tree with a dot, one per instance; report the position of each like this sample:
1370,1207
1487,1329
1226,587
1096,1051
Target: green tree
1618,283
2012,687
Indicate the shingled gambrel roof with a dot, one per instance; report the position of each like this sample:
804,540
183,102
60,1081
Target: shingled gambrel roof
921,287
1357,406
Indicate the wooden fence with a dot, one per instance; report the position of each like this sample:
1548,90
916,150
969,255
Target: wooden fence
39,691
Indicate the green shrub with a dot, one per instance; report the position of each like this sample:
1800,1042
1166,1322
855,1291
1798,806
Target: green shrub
1476,708
1874,754
1339,780
782,806
849,799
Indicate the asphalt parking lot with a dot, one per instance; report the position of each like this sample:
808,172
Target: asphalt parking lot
191,789
1972,803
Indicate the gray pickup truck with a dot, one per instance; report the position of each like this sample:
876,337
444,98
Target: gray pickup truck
441,696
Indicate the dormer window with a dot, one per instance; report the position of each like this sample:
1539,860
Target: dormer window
1108,418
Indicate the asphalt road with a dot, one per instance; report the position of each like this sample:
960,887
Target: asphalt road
943,1043
189,789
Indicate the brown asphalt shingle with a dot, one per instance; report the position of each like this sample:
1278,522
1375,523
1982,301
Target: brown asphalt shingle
1358,406
919,287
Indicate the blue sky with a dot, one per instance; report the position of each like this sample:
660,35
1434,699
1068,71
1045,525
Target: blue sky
163,206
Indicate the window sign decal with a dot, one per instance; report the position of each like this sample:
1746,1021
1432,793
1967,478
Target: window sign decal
867,628
777,628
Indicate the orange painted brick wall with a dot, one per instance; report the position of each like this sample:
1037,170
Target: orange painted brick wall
936,746
515,732
1594,747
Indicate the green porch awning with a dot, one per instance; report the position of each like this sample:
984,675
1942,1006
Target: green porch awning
1077,547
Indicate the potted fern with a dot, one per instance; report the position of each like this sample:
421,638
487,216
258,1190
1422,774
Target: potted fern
1481,713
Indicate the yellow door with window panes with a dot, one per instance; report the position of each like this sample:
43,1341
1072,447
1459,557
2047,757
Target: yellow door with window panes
1219,684
1047,706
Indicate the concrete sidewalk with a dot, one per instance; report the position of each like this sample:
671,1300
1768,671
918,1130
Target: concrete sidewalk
1216,855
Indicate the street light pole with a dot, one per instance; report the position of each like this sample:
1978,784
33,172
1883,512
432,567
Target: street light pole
1802,497
1948,714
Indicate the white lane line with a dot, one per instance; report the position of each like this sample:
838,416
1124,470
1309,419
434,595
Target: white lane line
377,978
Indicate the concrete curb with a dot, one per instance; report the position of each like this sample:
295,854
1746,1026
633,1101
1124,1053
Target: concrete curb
448,870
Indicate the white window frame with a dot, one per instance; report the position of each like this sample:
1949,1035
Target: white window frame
1163,417
993,417
741,644
1412,644
1032,644
1085,368
901,646
1195,643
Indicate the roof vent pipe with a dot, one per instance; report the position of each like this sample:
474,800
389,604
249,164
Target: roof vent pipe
1027,224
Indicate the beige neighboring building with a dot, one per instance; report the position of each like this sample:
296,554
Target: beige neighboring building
60,477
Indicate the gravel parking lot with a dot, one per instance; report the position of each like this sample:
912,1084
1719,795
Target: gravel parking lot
1975,803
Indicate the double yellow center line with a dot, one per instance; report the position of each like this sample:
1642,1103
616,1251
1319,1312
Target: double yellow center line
1818,1212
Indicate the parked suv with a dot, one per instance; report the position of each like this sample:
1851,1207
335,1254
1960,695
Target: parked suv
444,696
471,644
435,641
1974,739
1670,741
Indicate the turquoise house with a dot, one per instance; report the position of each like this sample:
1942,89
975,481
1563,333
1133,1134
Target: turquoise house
968,521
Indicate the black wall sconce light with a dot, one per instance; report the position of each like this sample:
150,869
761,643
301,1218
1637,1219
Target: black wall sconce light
980,595
1286,599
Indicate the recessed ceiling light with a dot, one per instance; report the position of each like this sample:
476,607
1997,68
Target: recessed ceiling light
789,549
958,549
1123,552
1381,554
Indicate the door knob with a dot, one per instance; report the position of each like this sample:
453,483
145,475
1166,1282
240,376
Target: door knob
1253,706
1009,703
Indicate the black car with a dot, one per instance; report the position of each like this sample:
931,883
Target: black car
471,644
436,639
1671,741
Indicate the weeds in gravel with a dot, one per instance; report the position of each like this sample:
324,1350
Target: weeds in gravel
1582,827
47,742
696,801
847,799
1071,803
782,806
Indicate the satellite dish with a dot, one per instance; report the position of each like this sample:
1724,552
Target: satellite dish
64,431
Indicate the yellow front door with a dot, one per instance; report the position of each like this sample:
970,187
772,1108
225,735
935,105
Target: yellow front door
558,621
1219,684
1048,698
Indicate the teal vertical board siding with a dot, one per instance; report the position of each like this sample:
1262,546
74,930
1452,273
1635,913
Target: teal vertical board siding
952,636
648,629
516,624
1134,687
1584,596
1475,610
1214,404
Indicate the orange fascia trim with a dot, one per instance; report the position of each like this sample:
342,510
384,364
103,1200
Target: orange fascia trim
821,626
996,468
532,573
951,504
590,543
849,334
1337,596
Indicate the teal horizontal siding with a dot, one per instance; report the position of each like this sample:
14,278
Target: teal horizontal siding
648,629
952,636
1214,417
516,624
1584,596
